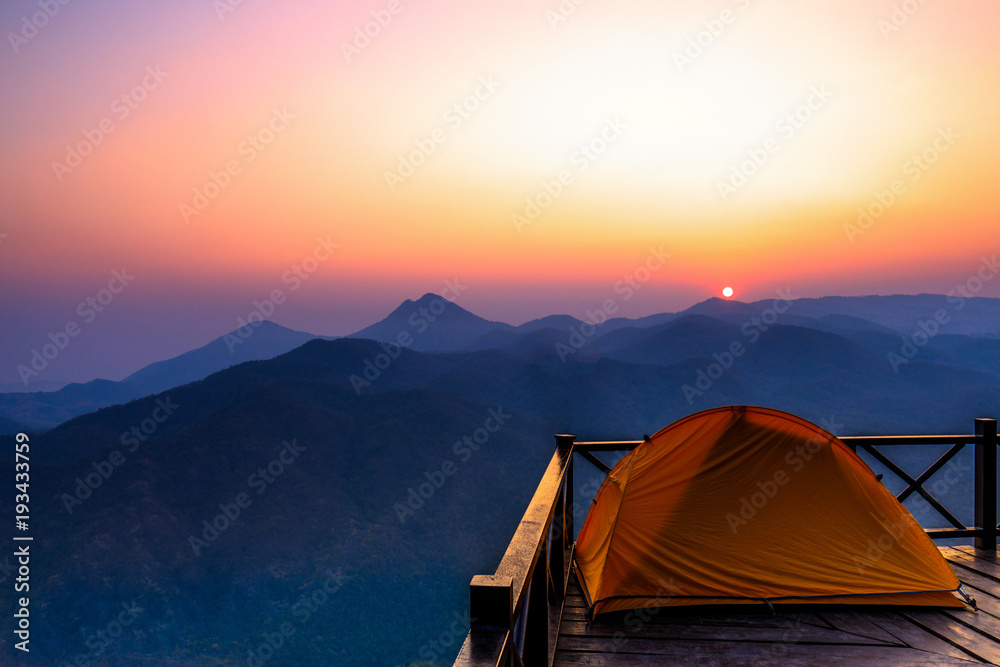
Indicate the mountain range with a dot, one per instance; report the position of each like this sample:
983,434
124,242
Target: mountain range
965,337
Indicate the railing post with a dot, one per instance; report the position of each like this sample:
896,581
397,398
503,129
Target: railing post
566,442
570,505
536,625
561,535
986,484
491,601
557,548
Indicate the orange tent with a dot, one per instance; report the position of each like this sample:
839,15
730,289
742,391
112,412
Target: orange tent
743,505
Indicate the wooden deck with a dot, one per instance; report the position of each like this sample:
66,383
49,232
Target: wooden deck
804,636
529,611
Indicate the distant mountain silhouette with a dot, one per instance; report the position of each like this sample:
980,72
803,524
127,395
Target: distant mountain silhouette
550,322
260,340
560,328
690,336
739,313
431,323
36,385
982,354
721,308
44,410
975,316
812,372
539,344
843,323
979,353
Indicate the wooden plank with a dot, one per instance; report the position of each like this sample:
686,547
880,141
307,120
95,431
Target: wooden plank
554,625
796,633
830,636
650,652
860,625
988,556
959,634
986,624
914,635
958,556
807,618
972,558
910,658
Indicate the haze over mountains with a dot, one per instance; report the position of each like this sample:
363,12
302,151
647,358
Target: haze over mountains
387,468
964,335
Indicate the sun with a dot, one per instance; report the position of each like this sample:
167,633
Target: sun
727,292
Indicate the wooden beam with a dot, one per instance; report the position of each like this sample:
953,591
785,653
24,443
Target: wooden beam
598,463
609,446
886,440
891,465
926,475
943,533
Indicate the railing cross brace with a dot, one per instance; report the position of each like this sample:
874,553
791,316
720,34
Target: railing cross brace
888,463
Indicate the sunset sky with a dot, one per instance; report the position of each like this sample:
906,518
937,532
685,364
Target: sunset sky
206,148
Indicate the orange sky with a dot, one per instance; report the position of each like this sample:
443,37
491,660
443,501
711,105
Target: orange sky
648,111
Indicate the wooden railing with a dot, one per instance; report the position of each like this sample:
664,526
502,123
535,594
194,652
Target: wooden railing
985,442
516,612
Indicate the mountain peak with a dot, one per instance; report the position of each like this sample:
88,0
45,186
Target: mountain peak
427,299
251,342
431,323
715,305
